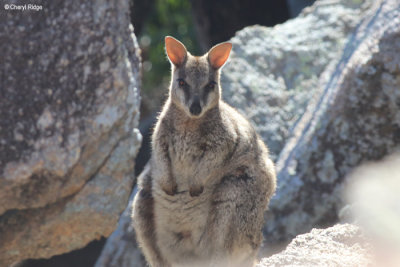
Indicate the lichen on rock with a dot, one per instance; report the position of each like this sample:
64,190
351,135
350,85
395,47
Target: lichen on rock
273,73
355,120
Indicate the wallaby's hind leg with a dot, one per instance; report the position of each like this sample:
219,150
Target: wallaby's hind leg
143,220
236,219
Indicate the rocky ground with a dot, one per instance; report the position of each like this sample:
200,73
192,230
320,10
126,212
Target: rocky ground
339,245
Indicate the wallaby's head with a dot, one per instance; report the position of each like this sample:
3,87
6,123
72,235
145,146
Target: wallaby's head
195,80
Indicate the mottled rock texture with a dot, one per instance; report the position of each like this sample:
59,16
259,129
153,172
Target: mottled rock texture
273,72
68,107
340,245
356,119
121,249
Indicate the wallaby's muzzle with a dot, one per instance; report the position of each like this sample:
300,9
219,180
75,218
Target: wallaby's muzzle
195,108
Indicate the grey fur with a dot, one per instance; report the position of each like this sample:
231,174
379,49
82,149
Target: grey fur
201,200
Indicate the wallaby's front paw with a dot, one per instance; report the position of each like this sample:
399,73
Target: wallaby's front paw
170,188
196,191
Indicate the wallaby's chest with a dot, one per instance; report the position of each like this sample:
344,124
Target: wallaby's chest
189,151
190,147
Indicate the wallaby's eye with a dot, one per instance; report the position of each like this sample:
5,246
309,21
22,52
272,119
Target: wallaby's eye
210,86
181,82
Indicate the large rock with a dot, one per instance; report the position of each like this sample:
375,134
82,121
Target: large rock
357,118
68,106
340,245
273,72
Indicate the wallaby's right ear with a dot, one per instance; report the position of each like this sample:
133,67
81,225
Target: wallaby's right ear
176,51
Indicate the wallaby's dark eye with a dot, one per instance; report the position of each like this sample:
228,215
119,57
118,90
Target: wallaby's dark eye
210,86
181,82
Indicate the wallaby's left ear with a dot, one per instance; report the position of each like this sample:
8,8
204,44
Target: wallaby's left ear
219,54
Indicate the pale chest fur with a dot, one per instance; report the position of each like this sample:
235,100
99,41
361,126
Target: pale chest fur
181,223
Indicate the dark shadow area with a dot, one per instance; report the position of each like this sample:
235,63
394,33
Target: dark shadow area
84,257
218,21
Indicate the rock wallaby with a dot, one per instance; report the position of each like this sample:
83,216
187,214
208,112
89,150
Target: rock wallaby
202,197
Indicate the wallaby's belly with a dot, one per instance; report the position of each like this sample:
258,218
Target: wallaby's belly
180,223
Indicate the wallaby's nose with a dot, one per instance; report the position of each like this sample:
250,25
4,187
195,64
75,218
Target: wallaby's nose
195,108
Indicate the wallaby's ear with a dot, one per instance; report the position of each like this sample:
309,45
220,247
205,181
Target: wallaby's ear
219,54
176,51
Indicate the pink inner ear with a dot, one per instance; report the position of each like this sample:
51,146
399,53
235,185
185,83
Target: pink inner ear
176,51
219,54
